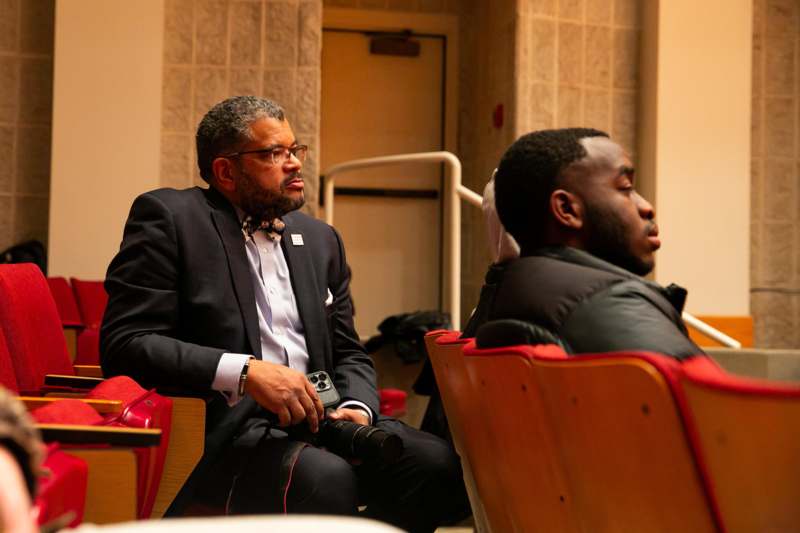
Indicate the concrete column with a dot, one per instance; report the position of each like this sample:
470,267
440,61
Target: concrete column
695,146
106,126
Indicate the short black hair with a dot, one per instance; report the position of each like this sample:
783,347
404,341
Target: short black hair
227,125
529,171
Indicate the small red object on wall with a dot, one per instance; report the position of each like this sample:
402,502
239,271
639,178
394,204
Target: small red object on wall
497,116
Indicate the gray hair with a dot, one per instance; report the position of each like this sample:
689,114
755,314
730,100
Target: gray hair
227,125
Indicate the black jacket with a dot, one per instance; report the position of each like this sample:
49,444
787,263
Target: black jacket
592,305
181,295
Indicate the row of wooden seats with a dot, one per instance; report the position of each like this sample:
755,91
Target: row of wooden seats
34,360
618,442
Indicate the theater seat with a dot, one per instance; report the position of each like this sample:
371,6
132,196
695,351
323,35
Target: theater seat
749,437
33,336
30,320
71,321
91,300
589,443
444,351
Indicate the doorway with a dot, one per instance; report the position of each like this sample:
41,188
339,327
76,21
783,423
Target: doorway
390,217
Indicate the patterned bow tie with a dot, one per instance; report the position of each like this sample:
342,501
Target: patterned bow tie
273,228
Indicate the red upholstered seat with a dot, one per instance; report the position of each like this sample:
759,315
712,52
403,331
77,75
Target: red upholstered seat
92,300
65,302
7,377
88,348
32,326
67,411
393,402
62,487
36,343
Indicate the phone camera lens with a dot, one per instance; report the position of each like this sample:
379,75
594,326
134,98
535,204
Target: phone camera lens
313,379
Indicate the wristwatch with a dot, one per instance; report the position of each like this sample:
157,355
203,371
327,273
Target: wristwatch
243,376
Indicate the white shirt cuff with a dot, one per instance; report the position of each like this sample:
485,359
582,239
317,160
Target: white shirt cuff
358,405
226,379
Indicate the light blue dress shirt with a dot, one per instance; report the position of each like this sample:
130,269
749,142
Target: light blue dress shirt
281,331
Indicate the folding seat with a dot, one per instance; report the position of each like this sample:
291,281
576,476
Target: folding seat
748,434
92,299
67,421
393,402
30,321
609,425
460,405
520,452
29,317
68,312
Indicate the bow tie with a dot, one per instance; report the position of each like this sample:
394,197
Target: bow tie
273,228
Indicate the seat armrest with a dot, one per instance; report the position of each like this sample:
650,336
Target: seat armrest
115,436
103,407
76,382
88,371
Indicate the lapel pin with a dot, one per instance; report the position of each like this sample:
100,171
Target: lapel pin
297,239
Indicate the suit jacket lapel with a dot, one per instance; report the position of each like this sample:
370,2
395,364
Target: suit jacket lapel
231,235
306,293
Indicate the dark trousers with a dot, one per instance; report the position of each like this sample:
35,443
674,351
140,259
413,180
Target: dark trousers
421,491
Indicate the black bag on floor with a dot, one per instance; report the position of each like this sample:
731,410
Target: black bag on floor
407,332
26,252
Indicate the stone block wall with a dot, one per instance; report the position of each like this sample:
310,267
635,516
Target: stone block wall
775,222
214,49
26,81
578,65
486,79
422,6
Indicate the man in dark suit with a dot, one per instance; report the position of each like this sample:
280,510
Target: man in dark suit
230,293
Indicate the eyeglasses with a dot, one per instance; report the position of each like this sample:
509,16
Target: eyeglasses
276,155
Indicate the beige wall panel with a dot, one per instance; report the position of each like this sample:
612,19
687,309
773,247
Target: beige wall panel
106,126
698,142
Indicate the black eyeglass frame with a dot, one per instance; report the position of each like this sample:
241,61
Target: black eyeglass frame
293,150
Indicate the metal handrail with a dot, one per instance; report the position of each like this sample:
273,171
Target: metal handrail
456,190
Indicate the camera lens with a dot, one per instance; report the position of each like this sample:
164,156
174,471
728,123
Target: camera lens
321,386
313,379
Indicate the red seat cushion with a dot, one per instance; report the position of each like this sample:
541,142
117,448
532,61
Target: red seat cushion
67,411
117,388
32,326
393,402
92,299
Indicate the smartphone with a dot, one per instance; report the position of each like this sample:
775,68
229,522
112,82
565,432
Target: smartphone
325,389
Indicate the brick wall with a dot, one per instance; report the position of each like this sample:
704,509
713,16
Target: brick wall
214,49
26,81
